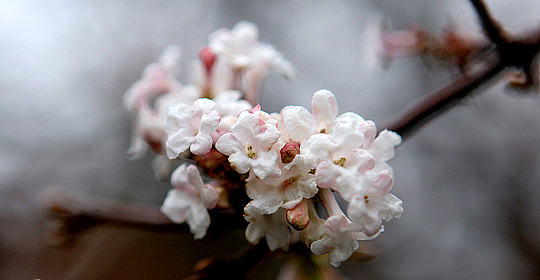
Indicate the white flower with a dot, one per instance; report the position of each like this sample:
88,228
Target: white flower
229,102
300,124
189,199
191,127
157,79
369,208
272,193
274,227
241,49
340,240
350,154
249,146
148,131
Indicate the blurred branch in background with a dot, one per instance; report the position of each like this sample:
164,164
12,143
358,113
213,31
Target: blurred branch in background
503,53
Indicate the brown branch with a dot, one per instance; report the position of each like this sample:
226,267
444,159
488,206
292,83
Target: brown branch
513,52
73,215
491,27
442,100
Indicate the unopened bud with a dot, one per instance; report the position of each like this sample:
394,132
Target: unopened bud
289,151
207,56
298,216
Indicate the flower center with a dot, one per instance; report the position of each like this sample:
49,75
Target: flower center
340,161
250,153
366,199
289,181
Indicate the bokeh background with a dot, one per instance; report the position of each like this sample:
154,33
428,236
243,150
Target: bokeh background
470,180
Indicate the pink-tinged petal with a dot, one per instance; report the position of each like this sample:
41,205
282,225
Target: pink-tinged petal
299,122
369,129
327,174
267,137
228,144
198,221
194,177
246,126
202,144
336,224
383,147
255,109
363,159
209,196
324,106
209,122
382,185
176,206
180,180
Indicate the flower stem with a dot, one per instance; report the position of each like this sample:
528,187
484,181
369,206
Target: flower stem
329,203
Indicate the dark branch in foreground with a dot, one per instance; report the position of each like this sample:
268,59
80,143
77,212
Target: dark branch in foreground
72,215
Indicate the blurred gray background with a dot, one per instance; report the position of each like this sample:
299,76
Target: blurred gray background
469,180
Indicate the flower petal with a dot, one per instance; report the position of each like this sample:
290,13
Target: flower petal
324,107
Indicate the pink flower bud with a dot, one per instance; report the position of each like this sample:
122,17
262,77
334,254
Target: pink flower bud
289,151
207,56
298,216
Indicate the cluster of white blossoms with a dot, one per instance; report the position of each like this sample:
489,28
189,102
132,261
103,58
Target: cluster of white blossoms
290,162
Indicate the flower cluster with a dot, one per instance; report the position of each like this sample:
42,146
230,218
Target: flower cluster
286,163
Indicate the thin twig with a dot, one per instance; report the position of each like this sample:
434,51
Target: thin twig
491,27
442,100
514,52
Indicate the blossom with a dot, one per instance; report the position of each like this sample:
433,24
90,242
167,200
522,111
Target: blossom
148,131
374,204
272,193
339,239
300,124
229,102
350,153
249,146
273,227
191,128
157,79
241,49
190,199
